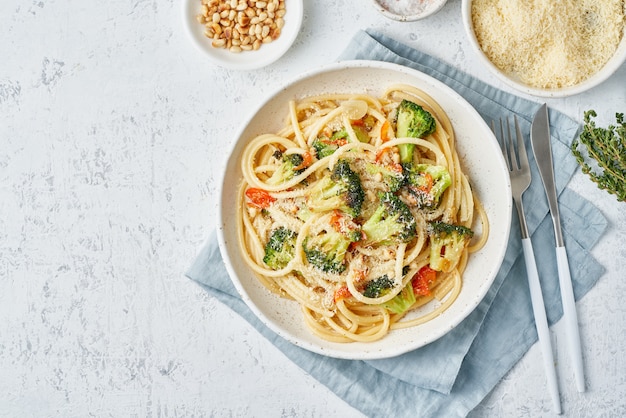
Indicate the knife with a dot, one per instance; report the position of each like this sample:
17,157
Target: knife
542,150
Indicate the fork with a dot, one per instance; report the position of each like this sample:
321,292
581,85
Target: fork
519,172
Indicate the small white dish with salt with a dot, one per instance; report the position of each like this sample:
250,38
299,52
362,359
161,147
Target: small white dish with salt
408,10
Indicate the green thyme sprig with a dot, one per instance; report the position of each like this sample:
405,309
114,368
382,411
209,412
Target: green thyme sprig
607,147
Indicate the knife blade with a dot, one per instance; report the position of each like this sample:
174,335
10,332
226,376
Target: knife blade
542,150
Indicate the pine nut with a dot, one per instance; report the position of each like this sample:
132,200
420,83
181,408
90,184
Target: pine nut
243,20
265,31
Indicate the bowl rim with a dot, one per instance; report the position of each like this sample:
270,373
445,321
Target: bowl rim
228,257
611,66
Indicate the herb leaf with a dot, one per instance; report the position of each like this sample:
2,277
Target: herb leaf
607,148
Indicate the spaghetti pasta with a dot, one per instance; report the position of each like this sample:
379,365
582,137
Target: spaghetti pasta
367,236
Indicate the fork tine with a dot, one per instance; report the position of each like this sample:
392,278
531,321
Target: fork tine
521,147
501,141
511,147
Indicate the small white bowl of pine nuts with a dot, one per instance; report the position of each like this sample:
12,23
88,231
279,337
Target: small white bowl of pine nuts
243,34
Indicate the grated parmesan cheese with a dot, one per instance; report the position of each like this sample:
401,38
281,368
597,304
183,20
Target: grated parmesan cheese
547,43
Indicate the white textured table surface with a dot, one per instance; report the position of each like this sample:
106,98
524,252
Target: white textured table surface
111,128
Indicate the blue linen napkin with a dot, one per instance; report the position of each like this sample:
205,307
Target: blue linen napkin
450,376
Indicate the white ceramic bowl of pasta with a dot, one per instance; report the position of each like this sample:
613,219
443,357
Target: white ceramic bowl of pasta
481,159
267,54
545,59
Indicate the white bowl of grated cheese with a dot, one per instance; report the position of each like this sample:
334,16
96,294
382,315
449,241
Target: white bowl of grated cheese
408,10
548,49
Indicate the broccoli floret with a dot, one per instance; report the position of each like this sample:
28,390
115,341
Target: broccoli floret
326,251
447,242
394,179
391,222
325,146
426,183
378,287
280,248
412,121
402,301
341,190
291,166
